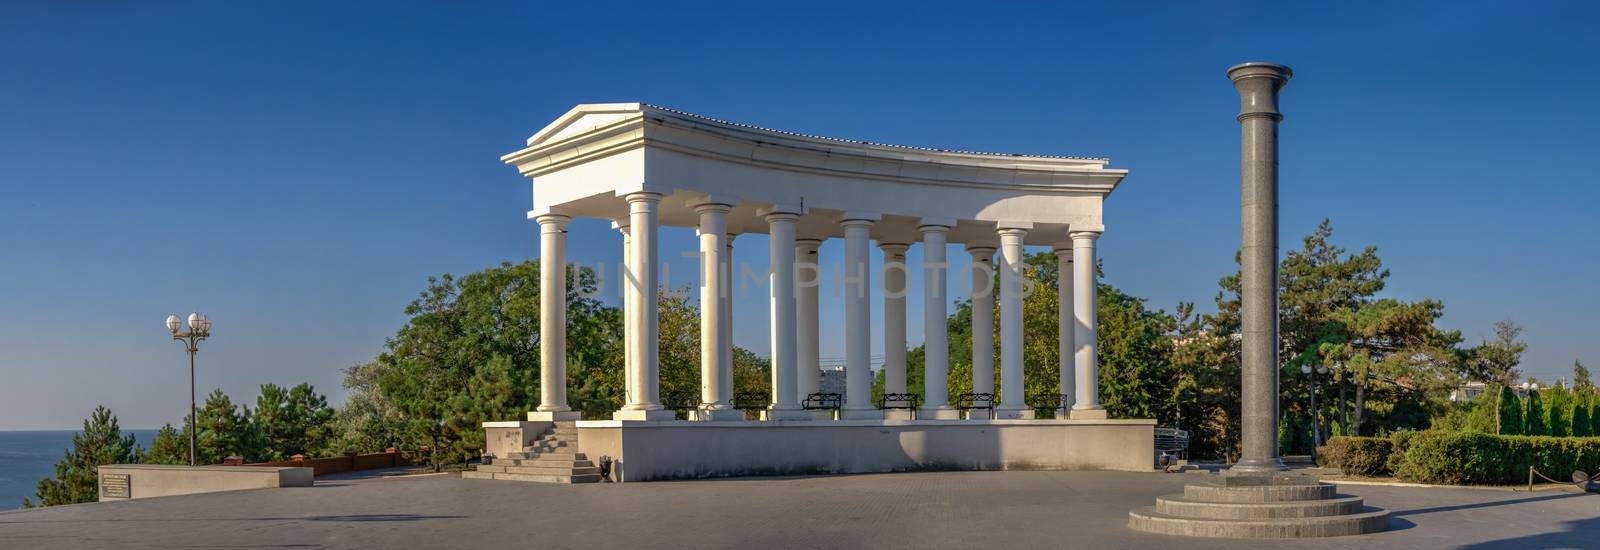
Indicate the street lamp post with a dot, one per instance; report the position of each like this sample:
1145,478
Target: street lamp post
199,329
1316,425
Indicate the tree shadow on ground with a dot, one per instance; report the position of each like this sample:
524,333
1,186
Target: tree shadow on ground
1579,533
1476,505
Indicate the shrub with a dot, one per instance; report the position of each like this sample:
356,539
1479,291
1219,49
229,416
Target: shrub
1537,421
1510,412
1363,456
1475,458
1581,421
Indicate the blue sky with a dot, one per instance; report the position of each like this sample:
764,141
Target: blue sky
297,170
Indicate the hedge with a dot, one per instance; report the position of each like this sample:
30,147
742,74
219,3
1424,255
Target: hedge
1461,457
1362,456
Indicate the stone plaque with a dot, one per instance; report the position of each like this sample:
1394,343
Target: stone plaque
116,486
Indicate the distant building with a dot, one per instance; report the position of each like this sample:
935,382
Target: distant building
1471,390
832,380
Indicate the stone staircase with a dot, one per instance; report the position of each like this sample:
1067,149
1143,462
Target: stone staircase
1287,505
552,458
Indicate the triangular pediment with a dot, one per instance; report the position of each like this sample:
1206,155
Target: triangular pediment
582,118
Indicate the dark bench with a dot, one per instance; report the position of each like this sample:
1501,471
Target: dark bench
976,401
823,402
752,401
1172,441
681,400
1049,402
908,401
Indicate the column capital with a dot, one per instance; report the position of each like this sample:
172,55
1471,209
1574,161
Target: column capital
856,222
553,222
1016,232
1090,236
713,198
946,223
984,249
781,208
621,224
860,216
927,228
713,207
642,196
1062,250
894,248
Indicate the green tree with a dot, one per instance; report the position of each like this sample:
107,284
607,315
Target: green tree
1511,418
226,430
1496,360
1581,382
77,479
1535,417
170,446
486,321
292,421
368,422
1582,422
1558,412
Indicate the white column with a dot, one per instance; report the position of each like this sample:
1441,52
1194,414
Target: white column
1012,387
1066,323
894,317
780,228
624,283
644,258
1087,404
808,275
715,405
982,322
858,320
553,320
935,335
727,328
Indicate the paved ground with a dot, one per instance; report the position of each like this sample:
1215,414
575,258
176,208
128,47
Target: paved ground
915,510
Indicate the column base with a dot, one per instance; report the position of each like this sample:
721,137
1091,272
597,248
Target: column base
899,414
821,414
1088,414
716,415
979,414
940,413
646,415
554,416
860,414
785,414
1013,414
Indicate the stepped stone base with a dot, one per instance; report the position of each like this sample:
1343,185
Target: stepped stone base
1278,505
552,457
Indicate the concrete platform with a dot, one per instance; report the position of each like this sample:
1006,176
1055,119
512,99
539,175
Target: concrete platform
928,510
653,451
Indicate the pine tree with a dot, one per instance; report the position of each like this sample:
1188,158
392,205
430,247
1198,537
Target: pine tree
170,446
1511,422
77,478
1581,382
1558,412
1536,417
1581,421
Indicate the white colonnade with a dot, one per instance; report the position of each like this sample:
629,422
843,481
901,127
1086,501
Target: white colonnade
646,167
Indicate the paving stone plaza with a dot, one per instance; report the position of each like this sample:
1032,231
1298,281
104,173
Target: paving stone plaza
1022,509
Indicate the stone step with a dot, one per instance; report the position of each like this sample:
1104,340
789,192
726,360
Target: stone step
552,470
1176,505
1147,519
550,444
546,463
537,451
564,454
1205,492
548,478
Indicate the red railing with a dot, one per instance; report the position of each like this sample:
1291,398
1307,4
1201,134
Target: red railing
389,458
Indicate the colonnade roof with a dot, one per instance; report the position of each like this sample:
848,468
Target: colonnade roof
585,160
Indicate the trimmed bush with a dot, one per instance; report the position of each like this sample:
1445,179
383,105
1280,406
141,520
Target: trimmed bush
1473,458
1537,421
1361,456
1510,412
